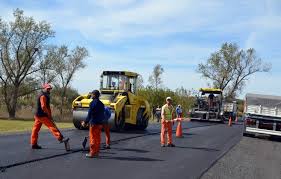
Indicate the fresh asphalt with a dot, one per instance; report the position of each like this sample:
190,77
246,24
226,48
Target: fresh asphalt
134,154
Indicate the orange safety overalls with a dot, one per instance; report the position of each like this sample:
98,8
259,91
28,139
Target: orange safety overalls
95,139
166,123
106,128
44,118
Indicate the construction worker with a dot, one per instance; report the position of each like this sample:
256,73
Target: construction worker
106,127
43,115
94,119
179,111
167,115
211,100
158,113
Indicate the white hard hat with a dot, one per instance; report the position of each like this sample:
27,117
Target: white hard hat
168,98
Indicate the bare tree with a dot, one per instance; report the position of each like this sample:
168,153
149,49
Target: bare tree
21,44
230,68
247,65
220,66
67,63
47,73
140,82
155,78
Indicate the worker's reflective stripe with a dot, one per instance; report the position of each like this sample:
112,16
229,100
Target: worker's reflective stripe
168,112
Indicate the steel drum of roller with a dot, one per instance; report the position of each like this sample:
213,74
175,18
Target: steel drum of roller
81,114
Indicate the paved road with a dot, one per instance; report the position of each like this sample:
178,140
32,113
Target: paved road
133,154
251,158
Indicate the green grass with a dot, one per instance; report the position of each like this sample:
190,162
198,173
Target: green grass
11,126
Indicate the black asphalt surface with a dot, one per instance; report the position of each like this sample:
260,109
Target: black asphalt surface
134,154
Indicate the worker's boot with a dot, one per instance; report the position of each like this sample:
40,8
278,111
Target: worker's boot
171,145
162,145
107,147
64,140
36,146
92,156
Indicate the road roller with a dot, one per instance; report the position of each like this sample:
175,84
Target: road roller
118,92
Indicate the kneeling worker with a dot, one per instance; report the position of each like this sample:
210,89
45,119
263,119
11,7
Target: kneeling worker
95,118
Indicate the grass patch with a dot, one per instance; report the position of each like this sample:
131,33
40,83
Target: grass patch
11,126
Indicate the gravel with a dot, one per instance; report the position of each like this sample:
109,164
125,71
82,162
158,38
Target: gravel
251,158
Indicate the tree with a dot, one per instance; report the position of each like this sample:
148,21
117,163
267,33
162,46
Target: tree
47,73
140,82
21,44
155,78
230,68
67,63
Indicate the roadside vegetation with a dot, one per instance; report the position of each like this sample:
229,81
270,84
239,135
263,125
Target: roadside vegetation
12,126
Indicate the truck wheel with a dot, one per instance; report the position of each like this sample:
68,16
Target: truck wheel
142,121
120,122
245,134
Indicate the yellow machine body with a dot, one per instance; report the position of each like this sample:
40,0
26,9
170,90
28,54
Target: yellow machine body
118,91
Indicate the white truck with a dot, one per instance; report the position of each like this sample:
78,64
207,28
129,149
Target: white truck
262,115
229,109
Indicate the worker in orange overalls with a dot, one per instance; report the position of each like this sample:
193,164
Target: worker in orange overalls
106,126
167,114
95,118
43,115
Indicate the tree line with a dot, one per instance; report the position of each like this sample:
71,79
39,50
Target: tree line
228,69
27,60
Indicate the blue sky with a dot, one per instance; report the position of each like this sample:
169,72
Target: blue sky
136,35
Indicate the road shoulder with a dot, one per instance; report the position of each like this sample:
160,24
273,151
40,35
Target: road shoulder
251,158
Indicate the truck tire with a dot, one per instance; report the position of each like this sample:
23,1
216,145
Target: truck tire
120,122
142,121
248,135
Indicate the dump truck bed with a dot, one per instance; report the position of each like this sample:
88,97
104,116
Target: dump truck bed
264,105
263,114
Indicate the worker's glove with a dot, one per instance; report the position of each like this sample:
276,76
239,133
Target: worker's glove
84,124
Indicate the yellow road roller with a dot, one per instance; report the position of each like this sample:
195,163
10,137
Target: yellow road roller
118,91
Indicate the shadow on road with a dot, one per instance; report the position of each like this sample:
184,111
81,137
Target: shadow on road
139,159
130,150
188,134
264,137
199,148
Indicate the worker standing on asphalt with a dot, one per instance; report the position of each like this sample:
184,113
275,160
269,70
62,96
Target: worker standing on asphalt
106,127
95,118
158,113
43,115
167,115
179,111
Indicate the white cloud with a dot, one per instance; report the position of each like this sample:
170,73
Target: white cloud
115,23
